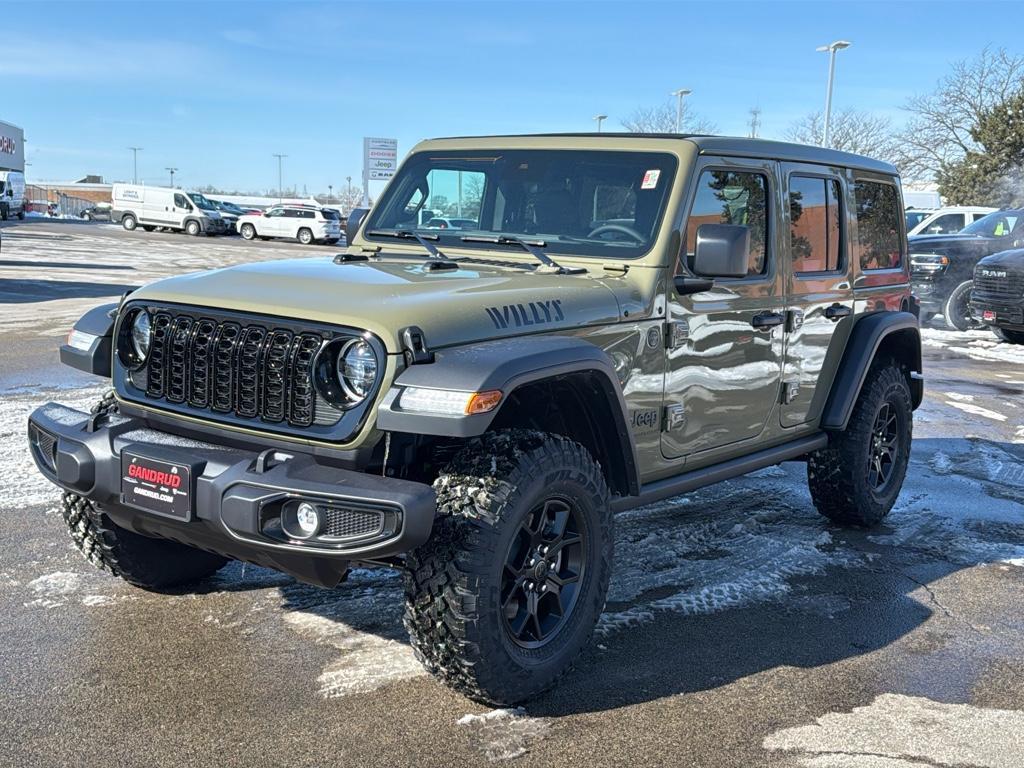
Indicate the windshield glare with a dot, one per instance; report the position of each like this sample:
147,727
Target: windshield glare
581,202
201,201
998,224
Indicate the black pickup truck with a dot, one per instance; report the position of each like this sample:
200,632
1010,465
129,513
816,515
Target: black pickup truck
998,296
942,266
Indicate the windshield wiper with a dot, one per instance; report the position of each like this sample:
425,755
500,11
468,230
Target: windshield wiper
436,257
533,247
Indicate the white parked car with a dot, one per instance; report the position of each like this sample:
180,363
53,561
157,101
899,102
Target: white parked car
946,221
305,223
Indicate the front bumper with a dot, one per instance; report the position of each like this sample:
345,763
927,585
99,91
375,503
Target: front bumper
235,494
1009,312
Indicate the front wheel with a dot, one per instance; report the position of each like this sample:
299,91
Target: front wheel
506,593
305,236
957,310
87,217
248,232
856,479
1011,337
192,228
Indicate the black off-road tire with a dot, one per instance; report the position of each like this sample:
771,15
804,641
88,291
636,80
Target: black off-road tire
453,582
957,309
1011,337
838,476
154,564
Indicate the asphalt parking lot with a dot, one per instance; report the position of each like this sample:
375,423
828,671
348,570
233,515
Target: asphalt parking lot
741,630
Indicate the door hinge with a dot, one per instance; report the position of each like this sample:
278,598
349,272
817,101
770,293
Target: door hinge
675,417
677,333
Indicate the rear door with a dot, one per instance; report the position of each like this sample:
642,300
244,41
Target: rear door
818,287
724,361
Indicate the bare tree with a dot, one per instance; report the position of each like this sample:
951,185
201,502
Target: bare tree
662,119
939,131
851,130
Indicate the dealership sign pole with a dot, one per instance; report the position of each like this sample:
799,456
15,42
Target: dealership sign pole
380,161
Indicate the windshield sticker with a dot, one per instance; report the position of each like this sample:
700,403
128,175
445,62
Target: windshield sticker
650,179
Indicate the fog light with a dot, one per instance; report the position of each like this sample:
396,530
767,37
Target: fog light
308,519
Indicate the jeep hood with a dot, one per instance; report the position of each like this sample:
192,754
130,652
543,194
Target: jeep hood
471,303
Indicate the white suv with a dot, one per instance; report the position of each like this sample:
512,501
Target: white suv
305,223
946,221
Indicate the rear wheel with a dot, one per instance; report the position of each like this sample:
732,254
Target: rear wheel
1013,337
192,228
957,310
305,236
87,216
856,479
507,591
129,222
248,231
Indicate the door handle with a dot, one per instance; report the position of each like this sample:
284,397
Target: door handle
837,311
767,320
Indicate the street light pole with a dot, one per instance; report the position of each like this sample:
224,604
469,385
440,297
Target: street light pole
172,170
330,193
280,194
600,119
135,163
679,106
838,45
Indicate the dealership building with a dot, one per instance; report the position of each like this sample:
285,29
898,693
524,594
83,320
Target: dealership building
12,148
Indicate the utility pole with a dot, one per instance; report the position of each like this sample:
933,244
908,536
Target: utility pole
755,121
679,106
280,194
135,163
831,48
600,119
330,193
172,170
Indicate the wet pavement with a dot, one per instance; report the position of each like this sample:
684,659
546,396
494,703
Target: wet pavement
741,629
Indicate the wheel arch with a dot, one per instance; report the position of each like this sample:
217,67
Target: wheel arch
880,334
569,375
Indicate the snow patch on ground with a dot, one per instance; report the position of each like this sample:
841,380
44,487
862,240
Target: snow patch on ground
56,584
504,734
980,345
361,619
897,731
977,410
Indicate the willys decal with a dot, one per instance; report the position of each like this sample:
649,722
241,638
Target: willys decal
530,313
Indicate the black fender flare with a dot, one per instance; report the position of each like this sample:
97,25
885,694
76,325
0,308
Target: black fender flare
505,365
98,322
903,332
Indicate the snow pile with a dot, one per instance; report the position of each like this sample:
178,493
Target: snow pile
52,588
980,345
504,734
897,731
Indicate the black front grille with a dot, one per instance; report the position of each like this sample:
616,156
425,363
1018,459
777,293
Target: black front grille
996,284
253,371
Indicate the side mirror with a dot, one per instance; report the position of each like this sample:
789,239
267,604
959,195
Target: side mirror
723,250
355,218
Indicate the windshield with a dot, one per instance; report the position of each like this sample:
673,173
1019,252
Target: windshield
916,217
201,201
998,224
581,202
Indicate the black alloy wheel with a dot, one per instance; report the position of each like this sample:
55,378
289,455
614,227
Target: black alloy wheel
884,447
544,566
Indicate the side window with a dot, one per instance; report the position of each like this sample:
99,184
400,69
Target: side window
307,214
879,241
179,201
950,222
291,213
275,212
731,197
814,234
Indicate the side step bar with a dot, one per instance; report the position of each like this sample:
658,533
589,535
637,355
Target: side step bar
698,478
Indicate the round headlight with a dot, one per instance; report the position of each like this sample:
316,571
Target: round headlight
357,369
140,335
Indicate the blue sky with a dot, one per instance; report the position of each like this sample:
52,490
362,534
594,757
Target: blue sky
216,88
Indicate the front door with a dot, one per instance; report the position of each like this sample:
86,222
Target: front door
817,284
725,345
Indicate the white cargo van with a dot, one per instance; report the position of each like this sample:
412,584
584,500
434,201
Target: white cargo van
151,207
12,195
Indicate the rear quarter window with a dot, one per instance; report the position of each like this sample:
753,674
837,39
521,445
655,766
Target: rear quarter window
879,236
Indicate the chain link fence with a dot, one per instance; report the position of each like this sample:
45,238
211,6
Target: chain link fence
47,200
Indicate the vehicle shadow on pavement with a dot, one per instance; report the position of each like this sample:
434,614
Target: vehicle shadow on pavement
20,291
25,264
746,577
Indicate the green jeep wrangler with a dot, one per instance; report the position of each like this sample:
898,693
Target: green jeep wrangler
602,322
